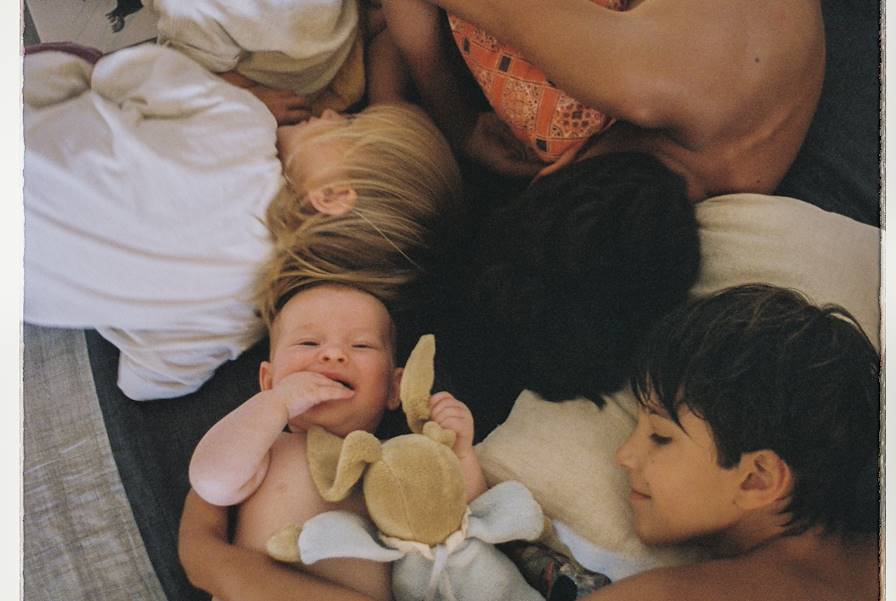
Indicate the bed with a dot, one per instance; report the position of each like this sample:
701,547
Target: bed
105,476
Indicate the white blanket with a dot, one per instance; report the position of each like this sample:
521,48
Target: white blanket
146,182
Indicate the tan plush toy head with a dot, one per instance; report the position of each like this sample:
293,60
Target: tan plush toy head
413,485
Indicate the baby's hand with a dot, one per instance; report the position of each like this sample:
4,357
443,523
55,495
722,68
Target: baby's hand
453,415
302,390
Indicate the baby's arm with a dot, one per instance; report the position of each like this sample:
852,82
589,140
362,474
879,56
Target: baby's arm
232,459
453,415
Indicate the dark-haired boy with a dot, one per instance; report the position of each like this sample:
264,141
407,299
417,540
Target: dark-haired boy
758,438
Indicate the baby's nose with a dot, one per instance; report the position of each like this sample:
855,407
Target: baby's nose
329,115
333,353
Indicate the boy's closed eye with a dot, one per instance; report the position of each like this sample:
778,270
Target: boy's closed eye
659,440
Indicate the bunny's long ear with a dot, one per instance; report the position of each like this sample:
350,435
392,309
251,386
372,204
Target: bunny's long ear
337,464
437,433
416,382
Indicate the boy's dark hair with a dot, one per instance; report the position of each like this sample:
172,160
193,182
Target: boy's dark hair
766,369
581,265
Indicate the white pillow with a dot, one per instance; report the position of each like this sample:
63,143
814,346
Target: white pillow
830,258
564,452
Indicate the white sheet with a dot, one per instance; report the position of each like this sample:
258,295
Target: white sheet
145,191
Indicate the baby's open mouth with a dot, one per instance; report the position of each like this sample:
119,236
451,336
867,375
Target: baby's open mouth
343,382
339,380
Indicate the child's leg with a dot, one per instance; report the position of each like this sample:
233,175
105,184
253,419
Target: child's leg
288,495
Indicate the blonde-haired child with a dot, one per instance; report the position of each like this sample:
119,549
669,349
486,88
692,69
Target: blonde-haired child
366,197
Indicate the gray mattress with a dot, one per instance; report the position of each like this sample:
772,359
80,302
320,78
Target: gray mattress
80,537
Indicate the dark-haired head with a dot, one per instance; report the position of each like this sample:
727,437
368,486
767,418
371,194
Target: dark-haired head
766,369
580,266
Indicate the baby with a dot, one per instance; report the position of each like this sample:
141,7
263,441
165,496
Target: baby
332,364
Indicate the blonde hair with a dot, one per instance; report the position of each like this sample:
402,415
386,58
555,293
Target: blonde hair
408,187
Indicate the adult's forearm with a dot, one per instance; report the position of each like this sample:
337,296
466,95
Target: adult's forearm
415,26
244,575
233,573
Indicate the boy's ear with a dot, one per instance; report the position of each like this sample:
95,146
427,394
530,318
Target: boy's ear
765,480
394,401
265,375
333,200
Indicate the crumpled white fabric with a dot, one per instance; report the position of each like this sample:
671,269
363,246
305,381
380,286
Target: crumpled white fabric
287,44
146,183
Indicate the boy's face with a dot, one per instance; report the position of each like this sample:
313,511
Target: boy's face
679,492
345,335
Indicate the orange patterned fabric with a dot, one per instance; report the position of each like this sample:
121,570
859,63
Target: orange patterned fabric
538,113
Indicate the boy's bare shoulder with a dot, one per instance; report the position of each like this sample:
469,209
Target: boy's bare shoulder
772,574
664,584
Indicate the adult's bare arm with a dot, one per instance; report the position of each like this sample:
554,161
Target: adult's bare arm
414,26
232,573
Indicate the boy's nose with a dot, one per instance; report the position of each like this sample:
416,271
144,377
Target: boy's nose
627,453
624,455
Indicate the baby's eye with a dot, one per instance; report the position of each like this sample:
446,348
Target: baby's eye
659,440
307,343
363,345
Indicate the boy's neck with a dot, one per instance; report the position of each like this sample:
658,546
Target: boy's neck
753,532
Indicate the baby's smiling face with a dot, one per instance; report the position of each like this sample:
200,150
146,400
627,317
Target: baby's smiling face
346,335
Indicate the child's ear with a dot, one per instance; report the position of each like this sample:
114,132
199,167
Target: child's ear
395,396
265,376
765,480
333,200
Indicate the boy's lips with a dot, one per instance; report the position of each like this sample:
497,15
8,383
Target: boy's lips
636,495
